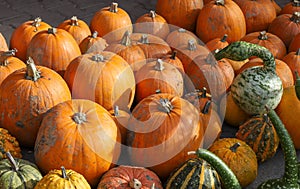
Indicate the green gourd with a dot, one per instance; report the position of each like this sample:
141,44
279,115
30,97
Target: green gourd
291,174
255,87
228,178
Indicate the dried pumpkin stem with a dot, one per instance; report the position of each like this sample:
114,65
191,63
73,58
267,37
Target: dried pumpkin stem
166,105
181,30
220,2
173,55
98,58
234,147
152,14
52,30
126,41
5,55
135,184
206,107
116,111
224,38
32,72
95,34
144,39
295,17
12,161
74,21
36,23
79,118
159,65
295,3
263,35
192,45
157,91
297,52
114,7
64,173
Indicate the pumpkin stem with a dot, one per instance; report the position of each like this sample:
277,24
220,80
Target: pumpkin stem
210,59
181,30
79,118
295,17
295,3
166,105
297,52
152,14
192,45
265,118
224,38
220,2
157,91
4,55
135,184
95,34
114,7
144,39
159,66
173,55
12,161
36,23
297,85
126,41
263,35
64,173
153,186
234,147
206,107
74,21
31,72
52,30
98,58
116,111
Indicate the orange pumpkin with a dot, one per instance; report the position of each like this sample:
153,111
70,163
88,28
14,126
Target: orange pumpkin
179,37
25,95
174,60
152,23
291,7
217,43
103,77
3,43
79,134
295,43
220,17
293,61
111,23
180,13
163,128
92,43
54,48
23,34
76,27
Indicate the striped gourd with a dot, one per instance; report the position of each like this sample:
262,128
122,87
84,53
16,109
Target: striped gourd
194,173
259,133
18,173
255,87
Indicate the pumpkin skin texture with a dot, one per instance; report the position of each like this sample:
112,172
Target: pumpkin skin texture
34,90
54,49
3,43
72,128
259,133
163,113
181,13
111,23
18,173
180,37
9,63
26,31
122,177
276,6
62,179
76,27
220,17
92,43
293,61
107,77
10,144
194,173
295,43
239,157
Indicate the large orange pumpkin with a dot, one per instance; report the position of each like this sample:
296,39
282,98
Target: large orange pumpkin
54,48
23,34
82,136
163,128
103,77
220,17
25,95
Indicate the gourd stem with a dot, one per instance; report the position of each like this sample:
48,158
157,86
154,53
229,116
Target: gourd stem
126,41
229,179
116,111
263,35
64,173
74,21
114,7
159,66
12,161
173,55
220,2
144,39
135,184
192,45
297,85
152,14
297,52
79,118
234,147
36,23
98,58
206,107
4,55
95,34
295,17
166,105
31,72
224,38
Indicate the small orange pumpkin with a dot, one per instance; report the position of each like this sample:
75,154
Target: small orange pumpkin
217,43
92,43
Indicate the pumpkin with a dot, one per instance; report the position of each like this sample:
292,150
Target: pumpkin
293,61
220,17
291,7
61,179
152,23
236,65
289,27
130,51
268,40
75,127
228,71
258,14
18,173
3,43
10,144
167,126
174,60
92,43
124,177
23,34
217,43
103,77
158,75
239,157
25,95
9,63
180,13
111,23
282,70
54,48
295,43
194,173
76,27
179,37
291,168
256,87
290,103
259,133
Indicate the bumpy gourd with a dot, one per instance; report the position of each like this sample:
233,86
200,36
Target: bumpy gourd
255,87
290,177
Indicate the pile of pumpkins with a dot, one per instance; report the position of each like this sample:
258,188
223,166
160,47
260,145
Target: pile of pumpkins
115,104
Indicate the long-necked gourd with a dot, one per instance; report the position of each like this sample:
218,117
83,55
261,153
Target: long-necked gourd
256,87
290,178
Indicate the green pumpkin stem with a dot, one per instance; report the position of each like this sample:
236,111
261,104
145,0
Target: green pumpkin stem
74,21
12,161
229,179
113,7
64,173
263,35
297,85
32,72
126,41
5,55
